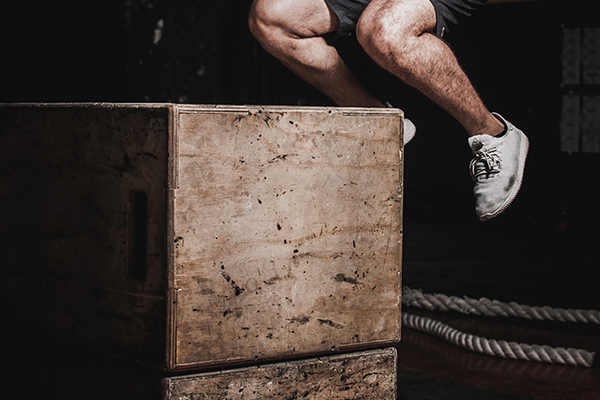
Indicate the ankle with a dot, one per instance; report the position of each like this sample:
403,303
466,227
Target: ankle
499,127
490,125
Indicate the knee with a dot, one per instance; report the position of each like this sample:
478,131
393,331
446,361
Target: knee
381,32
378,33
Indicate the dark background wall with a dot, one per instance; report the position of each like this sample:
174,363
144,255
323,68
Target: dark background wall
200,51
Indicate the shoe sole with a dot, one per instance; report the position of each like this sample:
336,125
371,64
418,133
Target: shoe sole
517,187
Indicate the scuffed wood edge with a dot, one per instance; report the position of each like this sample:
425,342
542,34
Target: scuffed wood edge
217,108
245,362
87,105
172,184
401,222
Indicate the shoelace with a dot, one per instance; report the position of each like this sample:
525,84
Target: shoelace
485,163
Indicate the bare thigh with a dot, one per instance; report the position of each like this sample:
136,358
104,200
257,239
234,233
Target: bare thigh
296,18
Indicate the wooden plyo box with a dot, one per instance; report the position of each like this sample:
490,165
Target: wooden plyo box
203,236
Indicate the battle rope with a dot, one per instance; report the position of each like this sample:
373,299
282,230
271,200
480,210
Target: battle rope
495,308
492,347
499,348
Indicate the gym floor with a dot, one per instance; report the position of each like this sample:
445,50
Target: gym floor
532,266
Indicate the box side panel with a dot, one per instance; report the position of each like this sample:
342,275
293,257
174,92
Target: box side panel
288,234
368,375
83,246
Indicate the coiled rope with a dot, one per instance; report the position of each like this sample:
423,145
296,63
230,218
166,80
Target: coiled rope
495,308
492,347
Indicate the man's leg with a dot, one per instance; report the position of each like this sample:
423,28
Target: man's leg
398,35
292,31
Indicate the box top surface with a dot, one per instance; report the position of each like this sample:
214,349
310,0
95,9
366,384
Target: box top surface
187,108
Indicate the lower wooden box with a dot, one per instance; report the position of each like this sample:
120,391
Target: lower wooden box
364,375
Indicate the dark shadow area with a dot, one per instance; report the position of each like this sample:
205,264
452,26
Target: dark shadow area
541,251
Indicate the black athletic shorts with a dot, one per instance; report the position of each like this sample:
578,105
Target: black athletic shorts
448,12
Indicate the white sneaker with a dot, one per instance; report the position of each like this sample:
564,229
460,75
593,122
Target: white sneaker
409,128
497,169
